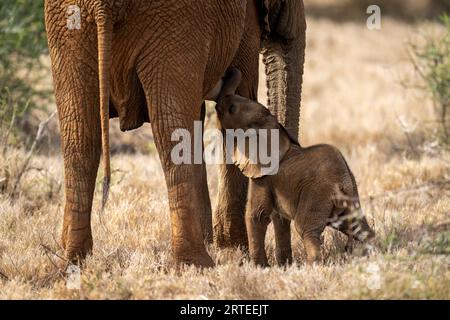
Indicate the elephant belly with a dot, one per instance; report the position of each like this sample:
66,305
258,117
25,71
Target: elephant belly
284,206
128,101
224,39
127,94
166,44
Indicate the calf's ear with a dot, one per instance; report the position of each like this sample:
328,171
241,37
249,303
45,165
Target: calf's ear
248,169
231,82
214,94
283,131
248,164
285,141
251,165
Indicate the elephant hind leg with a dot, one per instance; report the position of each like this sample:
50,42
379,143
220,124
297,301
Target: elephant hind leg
313,245
310,222
76,85
174,107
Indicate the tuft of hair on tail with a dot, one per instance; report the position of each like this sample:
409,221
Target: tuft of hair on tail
105,194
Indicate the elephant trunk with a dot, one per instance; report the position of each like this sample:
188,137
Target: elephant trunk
284,56
104,38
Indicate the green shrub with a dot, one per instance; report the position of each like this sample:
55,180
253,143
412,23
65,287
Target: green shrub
23,41
432,61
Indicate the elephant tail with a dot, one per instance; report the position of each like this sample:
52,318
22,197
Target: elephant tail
104,36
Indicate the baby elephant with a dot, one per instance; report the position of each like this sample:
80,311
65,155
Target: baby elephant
314,186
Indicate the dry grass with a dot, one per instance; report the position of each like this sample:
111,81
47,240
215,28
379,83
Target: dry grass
353,99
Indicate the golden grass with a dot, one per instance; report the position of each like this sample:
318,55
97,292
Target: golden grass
352,98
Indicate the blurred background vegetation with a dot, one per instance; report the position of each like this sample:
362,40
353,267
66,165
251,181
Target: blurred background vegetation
431,60
23,45
403,179
355,10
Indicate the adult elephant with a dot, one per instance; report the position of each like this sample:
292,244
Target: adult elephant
157,60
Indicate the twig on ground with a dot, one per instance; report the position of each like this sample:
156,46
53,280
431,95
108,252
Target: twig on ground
15,267
416,188
58,271
47,249
56,242
415,63
8,131
39,135
407,132
4,276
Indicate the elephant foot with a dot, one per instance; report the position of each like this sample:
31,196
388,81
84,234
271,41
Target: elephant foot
76,254
284,259
202,260
349,245
230,230
229,215
77,246
261,262
227,240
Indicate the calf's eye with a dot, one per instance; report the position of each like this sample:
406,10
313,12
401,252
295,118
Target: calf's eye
232,109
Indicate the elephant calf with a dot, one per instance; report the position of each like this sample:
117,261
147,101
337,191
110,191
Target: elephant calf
314,186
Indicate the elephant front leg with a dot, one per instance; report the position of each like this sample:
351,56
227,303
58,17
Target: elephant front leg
229,221
257,223
206,214
257,218
229,215
282,228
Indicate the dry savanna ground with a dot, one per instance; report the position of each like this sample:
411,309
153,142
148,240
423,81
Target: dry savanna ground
353,98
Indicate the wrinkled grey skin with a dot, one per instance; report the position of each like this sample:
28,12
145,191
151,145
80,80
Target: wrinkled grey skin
314,186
